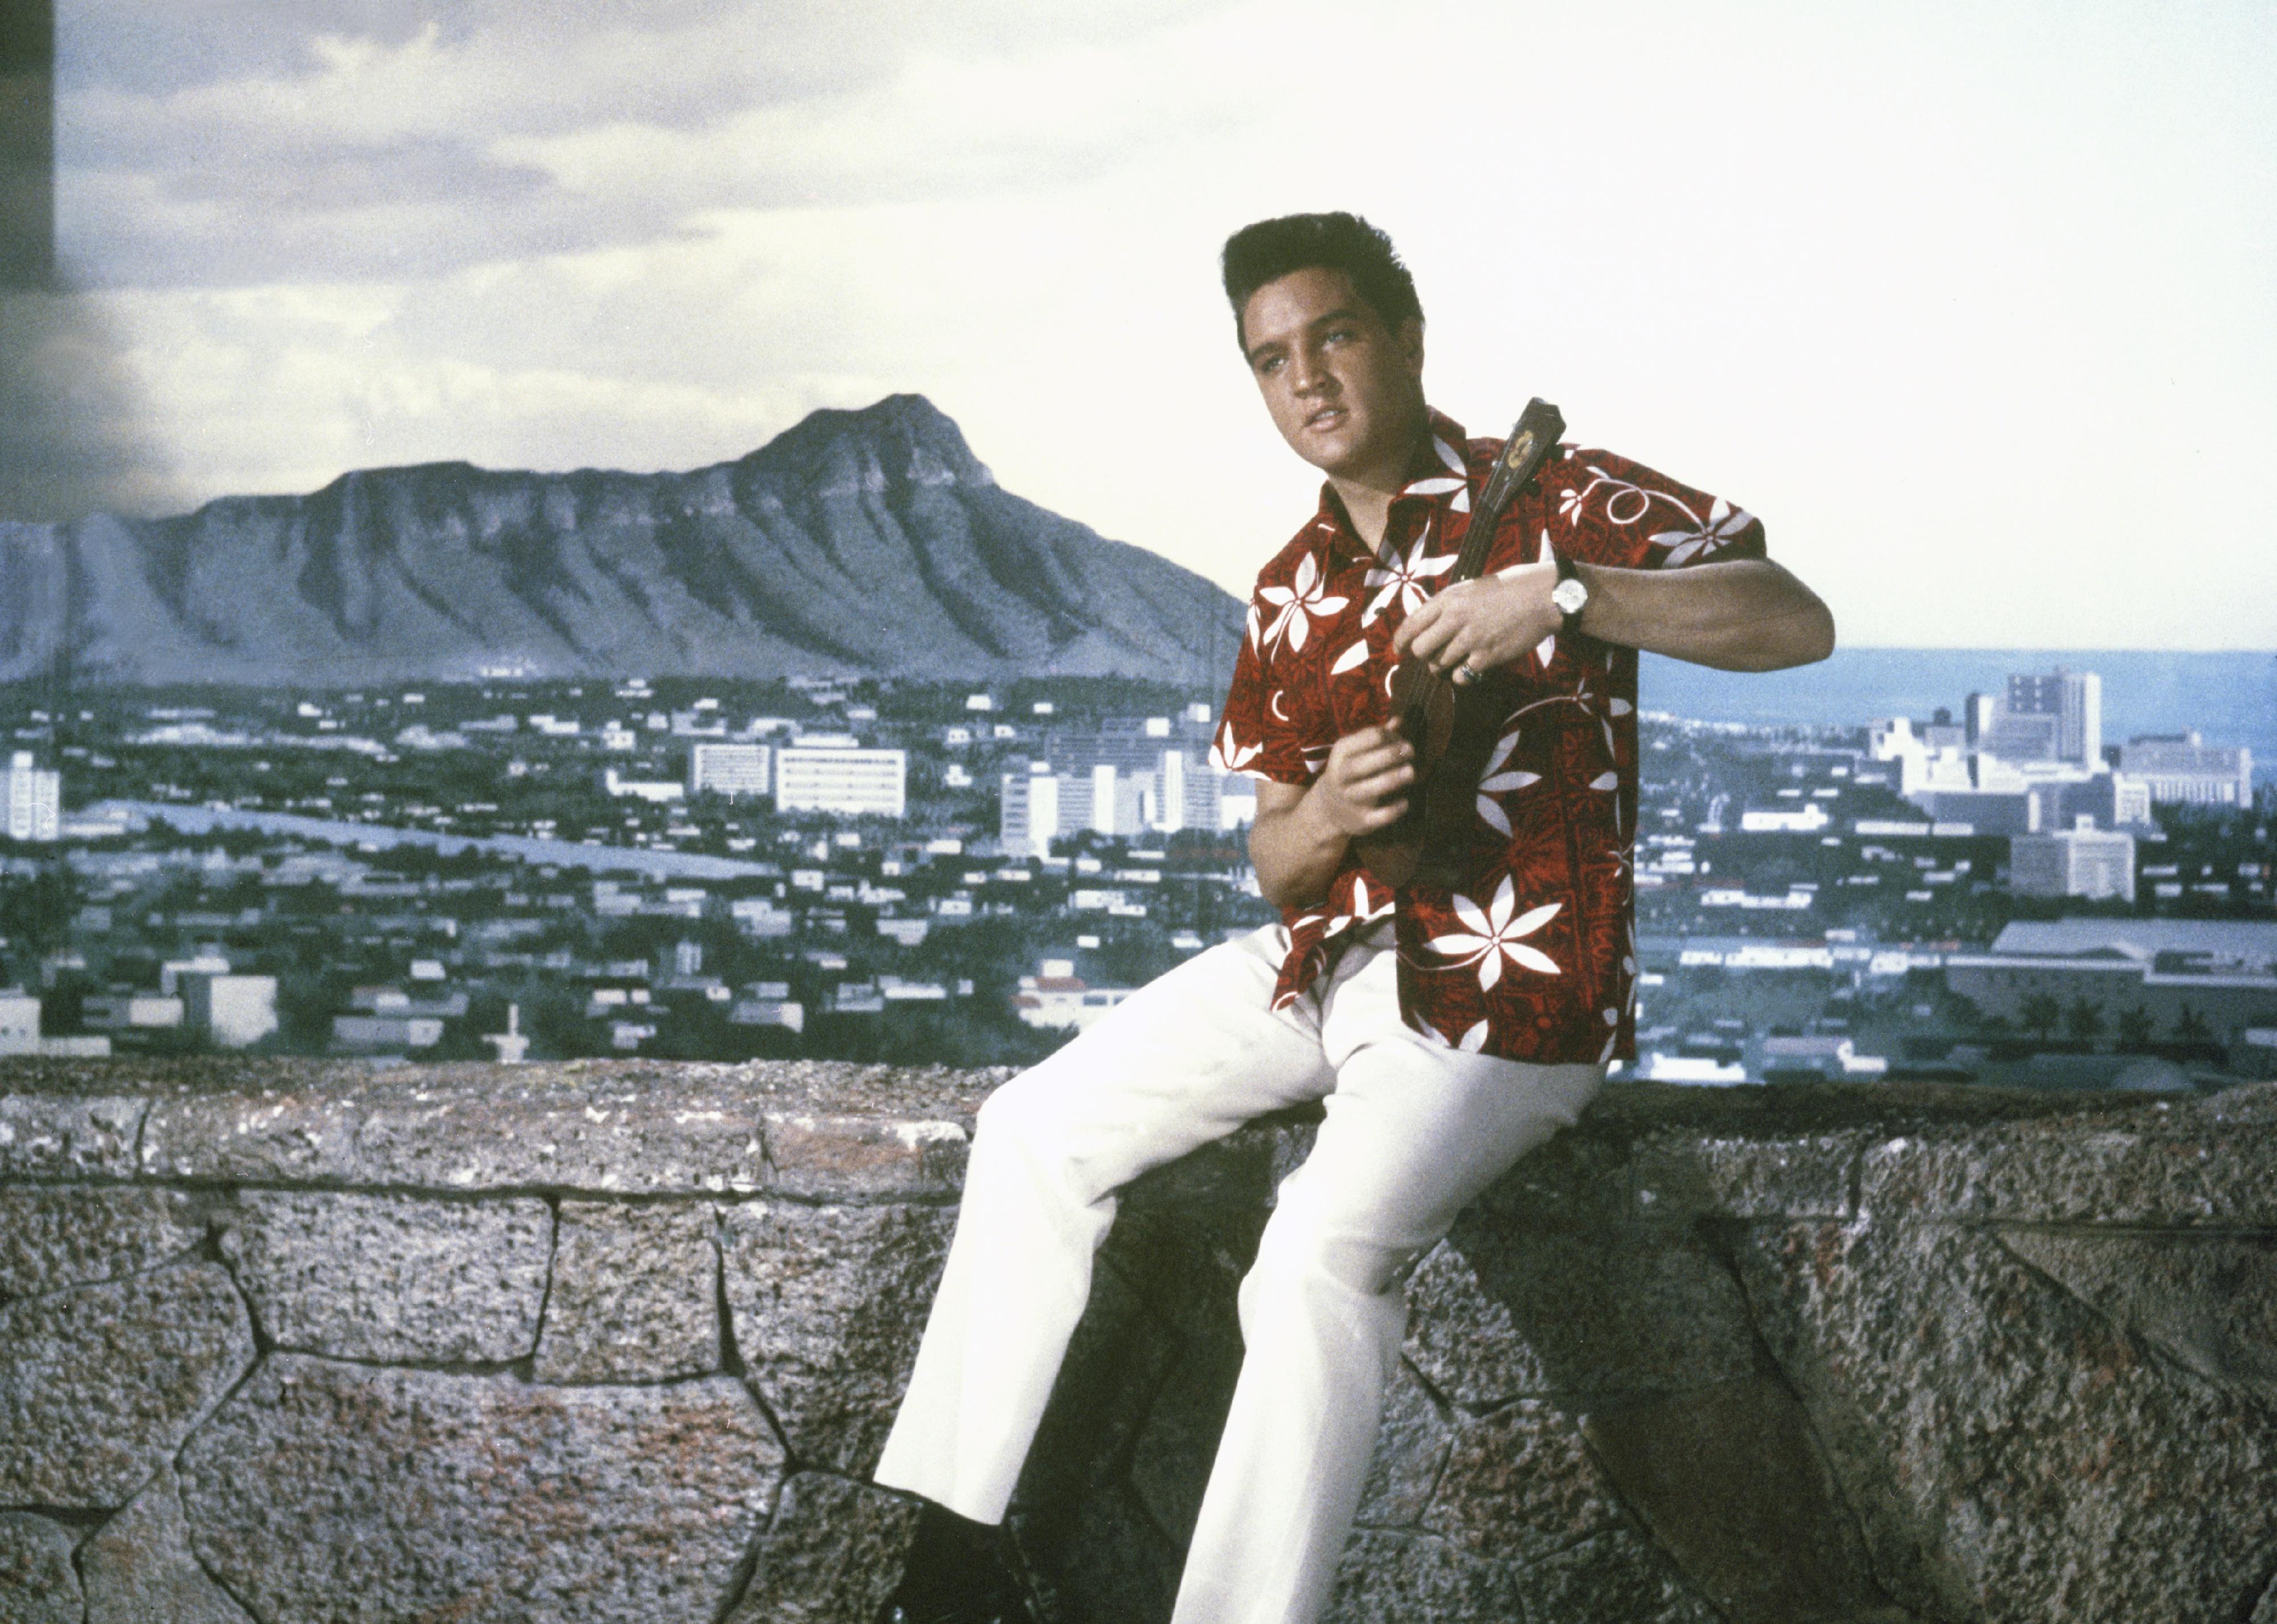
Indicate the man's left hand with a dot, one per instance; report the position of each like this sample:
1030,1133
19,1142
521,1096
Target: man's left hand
1483,623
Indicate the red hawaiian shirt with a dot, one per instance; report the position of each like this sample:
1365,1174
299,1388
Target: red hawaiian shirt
1535,960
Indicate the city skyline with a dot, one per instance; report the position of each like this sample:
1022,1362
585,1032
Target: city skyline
1797,260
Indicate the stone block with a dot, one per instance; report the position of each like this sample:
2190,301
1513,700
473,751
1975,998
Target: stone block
278,1135
1112,1565
391,1278
479,1498
52,1236
38,1584
2207,1301
684,1130
101,1383
2012,1453
1682,1176
1518,1485
1177,1441
1115,1365
140,1569
2140,1169
827,1304
1616,1575
1729,1483
1411,1454
635,1294
1577,1180
832,1555
1393,1578
844,1158
52,1135
1495,1314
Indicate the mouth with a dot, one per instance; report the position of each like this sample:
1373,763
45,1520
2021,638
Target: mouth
1326,417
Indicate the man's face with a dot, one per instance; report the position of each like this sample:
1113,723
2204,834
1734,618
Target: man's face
1345,391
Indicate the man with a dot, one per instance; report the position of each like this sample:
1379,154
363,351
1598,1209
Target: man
1444,1033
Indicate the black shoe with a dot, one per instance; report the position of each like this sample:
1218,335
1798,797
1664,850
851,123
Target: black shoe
1005,1604
956,1574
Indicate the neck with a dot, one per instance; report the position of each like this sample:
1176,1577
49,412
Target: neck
1366,493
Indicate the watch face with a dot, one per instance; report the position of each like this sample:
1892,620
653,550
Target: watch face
1569,595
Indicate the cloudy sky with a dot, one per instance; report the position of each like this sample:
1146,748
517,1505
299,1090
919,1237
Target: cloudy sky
1976,304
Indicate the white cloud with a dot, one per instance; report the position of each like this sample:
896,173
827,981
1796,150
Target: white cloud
1971,304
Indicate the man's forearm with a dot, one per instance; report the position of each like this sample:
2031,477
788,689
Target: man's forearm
1746,614
1295,853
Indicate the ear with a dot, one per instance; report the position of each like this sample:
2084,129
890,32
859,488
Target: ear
1411,344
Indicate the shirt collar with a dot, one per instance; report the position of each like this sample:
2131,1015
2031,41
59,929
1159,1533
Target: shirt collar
1438,473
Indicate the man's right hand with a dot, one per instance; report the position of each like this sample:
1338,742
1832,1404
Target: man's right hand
1363,787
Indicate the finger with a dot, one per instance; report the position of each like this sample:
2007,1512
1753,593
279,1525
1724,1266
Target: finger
1377,785
1377,759
1381,817
1455,650
1415,626
1427,642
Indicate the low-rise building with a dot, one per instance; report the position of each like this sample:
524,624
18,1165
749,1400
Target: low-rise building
2080,861
2205,978
2183,767
811,777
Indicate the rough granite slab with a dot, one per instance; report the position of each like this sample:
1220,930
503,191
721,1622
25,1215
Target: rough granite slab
479,1498
140,1569
100,1383
2012,1454
38,1584
636,1293
1496,1314
1687,1175
823,1130
827,1304
832,1555
65,1134
2177,1166
401,1278
53,1236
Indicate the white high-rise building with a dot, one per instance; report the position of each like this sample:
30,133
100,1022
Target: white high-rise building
727,769
837,778
2073,699
35,799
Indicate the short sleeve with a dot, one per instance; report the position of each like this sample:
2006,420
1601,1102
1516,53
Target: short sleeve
1261,732
1605,510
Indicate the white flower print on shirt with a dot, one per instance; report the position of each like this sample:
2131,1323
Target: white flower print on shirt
1495,783
1404,578
1725,523
1233,756
1497,935
1299,604
1459,483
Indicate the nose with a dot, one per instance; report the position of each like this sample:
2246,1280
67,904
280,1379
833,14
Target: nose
1307,375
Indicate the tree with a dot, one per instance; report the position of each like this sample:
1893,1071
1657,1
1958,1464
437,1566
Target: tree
2083,1021
2039,1013
2135,1027
2191,1027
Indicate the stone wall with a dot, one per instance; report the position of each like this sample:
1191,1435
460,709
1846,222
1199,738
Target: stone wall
618,1342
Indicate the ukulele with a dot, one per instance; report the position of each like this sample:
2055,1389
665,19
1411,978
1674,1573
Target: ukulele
1453,726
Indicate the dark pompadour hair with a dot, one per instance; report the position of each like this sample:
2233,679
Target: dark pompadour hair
1269,249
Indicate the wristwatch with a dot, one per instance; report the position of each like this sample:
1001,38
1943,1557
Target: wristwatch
1570,595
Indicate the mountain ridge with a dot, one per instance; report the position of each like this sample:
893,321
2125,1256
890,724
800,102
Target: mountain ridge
856,542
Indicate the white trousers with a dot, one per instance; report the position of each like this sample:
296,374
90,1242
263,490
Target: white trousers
1413,1131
